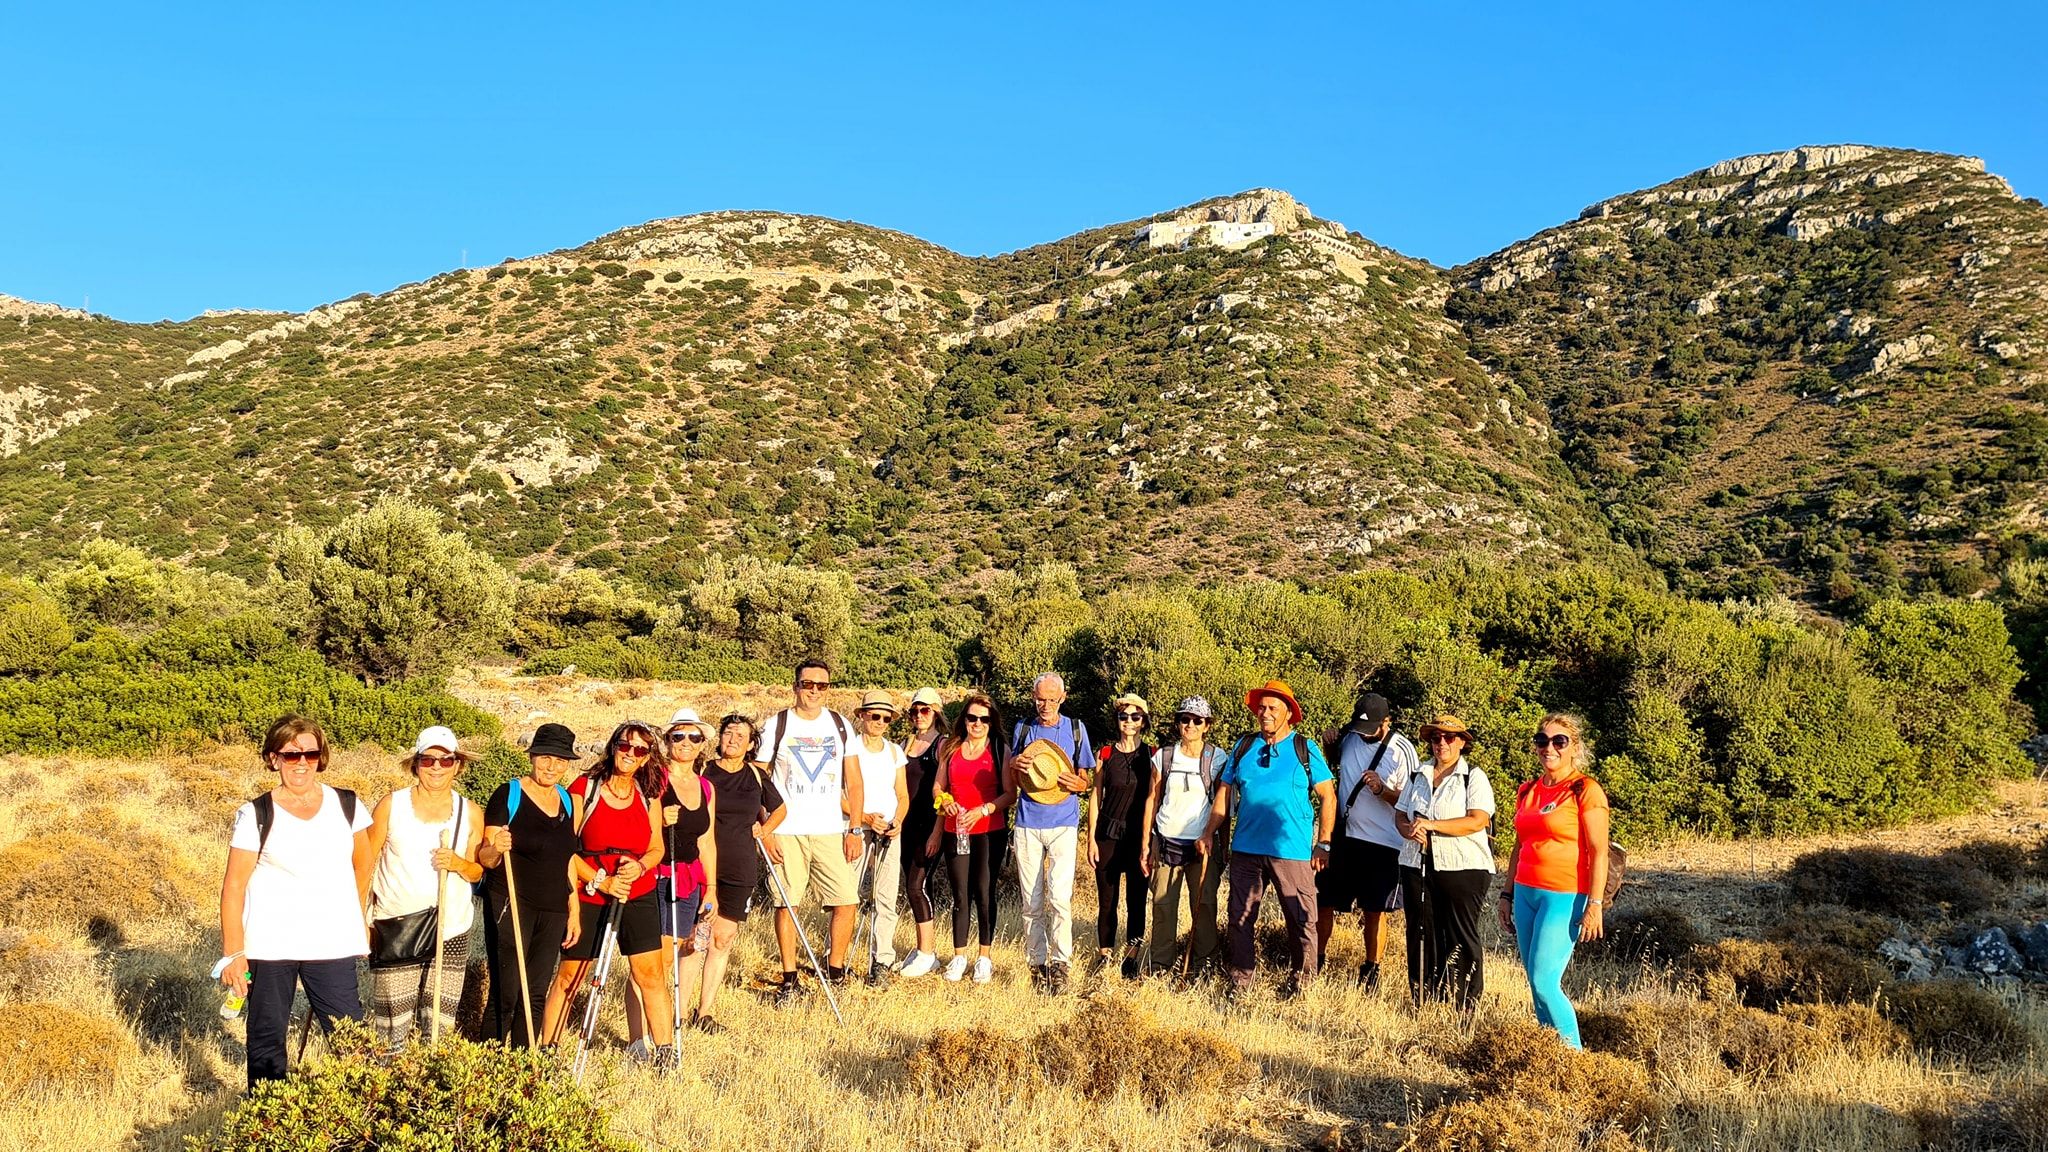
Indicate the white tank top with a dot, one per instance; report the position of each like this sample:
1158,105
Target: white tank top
404,881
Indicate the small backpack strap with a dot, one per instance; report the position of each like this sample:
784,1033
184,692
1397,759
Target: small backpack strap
348,806
266,815
513,792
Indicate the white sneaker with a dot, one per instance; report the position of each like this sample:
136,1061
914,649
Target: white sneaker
956,968
919,963
984,970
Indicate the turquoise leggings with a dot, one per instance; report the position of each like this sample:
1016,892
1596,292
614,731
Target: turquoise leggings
1546,927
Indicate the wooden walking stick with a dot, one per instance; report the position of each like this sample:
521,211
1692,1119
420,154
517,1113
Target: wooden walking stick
440,901
519,945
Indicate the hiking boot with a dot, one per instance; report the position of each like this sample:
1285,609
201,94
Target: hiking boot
1038,977
837,976
1129,971
637,1051
708,1025
1291,988
789,992
956,967
984,970
666,1059
919,963
1055,978
879,975
1369,977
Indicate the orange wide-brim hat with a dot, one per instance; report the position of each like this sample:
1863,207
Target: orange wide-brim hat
1275,688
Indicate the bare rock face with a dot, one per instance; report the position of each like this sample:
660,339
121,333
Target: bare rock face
15,308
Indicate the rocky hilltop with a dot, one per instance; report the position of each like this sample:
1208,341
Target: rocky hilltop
1721,371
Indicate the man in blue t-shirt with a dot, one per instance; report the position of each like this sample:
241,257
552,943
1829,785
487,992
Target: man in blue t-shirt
1048,830
1286,806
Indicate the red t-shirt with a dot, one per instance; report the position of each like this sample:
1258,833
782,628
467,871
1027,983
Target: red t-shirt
1547,828
972,783
610,835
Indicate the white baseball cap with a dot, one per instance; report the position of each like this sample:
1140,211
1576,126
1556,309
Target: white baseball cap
440,736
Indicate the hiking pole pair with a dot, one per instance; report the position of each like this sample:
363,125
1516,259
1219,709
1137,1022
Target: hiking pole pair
598,967
675,923
873,844
782,897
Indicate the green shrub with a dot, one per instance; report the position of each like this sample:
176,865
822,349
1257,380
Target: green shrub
452,1094
779,613
1957,1019
33,631
1893,883
500,762
387,595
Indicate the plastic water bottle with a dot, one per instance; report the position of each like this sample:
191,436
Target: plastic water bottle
231,1006
961,824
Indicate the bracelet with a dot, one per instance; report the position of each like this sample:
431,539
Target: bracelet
1596,903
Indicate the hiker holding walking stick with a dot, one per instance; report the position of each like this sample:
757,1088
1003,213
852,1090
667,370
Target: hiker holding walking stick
748,809
681,886
621,837
529,838
424,839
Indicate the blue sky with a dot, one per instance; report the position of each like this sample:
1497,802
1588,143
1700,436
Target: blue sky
162,161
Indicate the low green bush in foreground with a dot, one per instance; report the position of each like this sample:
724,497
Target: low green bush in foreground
455,1094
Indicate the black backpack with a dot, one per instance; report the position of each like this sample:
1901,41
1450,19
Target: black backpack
266,814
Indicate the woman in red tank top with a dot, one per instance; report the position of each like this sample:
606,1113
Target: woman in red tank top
972,793
620,839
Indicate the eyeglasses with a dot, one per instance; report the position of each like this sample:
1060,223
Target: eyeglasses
637,751
686,737
1192,721
436,761
1131,716
884,717
977,717
298,756
1559,740
813,685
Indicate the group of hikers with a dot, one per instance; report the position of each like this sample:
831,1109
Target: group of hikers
656,851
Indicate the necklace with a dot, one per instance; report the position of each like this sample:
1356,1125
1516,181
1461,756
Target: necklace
625,795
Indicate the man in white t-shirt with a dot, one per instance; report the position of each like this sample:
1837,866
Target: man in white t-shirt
807,752
1373,764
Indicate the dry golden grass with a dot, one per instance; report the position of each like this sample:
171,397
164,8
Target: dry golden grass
1334,1069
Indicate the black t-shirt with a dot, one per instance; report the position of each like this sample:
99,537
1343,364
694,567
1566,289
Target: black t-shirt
921,777
1126,777
690,824
744,797
541,847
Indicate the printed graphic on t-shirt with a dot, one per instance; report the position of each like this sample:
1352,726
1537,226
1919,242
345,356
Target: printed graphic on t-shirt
810,758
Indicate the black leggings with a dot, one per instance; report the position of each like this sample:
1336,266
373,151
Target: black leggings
1446,957
1121,861
917,871
974,881
543,929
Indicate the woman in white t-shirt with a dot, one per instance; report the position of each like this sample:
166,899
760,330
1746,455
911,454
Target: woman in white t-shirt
1446,867
425,840
1183,784
885,800
292,899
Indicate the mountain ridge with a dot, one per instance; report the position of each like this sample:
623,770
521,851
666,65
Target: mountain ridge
1134,396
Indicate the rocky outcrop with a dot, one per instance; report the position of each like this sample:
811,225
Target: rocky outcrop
15,308
28,415
318,318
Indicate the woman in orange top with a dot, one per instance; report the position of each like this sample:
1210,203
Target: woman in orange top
1559,867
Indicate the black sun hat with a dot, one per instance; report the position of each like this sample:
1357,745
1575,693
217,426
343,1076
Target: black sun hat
553,740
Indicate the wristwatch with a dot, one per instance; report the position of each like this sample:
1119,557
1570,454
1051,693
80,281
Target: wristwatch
1322,845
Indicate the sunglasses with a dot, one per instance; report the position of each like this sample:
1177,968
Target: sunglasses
297,756
686,737
1559,741
884,717
436,761
813,685
1137,716
1447,738
637,751
1192,721
916,708
977,717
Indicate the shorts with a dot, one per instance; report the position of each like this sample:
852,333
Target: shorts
1360,874
820,860
735,900
678,920
639,926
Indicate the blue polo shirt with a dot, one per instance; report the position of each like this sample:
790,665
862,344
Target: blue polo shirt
1276,814
1063,733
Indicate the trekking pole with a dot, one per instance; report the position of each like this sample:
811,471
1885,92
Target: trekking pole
675,923
782,895
864,888
599,971
440,901
519,948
